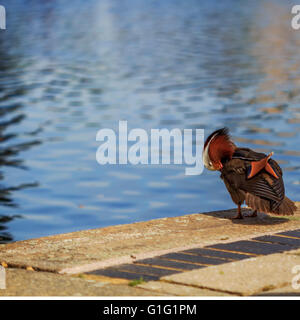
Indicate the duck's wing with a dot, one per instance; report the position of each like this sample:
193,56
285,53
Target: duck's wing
263,184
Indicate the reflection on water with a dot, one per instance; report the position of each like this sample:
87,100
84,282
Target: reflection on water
68,69
10,144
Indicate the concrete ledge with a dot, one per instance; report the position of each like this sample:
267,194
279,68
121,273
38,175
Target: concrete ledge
49,258
91,249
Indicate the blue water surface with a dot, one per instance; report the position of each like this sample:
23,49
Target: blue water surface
70,68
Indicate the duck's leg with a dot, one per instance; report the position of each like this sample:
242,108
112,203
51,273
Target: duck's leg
239,213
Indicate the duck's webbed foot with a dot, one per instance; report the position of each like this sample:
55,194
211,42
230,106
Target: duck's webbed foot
252,215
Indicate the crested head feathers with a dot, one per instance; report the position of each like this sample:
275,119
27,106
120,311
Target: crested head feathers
218,147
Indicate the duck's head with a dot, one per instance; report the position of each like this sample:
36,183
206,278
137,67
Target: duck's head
218,148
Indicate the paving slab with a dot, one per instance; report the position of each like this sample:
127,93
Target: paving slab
225,255
115,272
172,289
251,247
294,233
98,248
246,277
176,265
21,282
277,239
134,272
193,258
147,269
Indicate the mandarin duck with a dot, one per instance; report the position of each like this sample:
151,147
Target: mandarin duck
249,176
